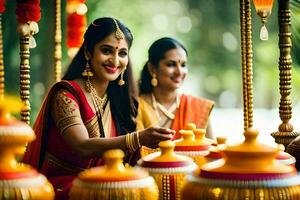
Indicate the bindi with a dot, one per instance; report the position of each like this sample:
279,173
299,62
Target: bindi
117,47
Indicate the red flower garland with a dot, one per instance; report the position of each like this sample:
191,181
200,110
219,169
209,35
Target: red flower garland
76,25
77,1
28,10
2,6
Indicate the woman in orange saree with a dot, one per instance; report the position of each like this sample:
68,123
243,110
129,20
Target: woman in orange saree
159,101
91,110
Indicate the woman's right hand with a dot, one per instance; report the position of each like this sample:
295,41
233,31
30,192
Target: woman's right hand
150,137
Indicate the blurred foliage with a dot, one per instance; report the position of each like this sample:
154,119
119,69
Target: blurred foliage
209,29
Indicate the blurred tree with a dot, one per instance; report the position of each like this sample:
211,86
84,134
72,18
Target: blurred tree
210,30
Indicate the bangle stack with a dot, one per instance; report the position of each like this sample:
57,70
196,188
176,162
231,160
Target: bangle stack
133,141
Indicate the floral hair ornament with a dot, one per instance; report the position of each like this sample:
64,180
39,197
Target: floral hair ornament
119,33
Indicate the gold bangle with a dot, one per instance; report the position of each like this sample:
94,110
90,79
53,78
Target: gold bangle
131,142
127,141
138,139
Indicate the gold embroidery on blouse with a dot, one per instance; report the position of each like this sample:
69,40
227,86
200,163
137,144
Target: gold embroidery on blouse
65,111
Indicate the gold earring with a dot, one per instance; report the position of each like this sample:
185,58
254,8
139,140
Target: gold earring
121,82
87,72
154,81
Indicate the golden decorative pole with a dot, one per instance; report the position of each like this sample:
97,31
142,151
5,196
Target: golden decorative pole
57,41
244,64
25,76
285,133
246,51
26,32
2,79
27,27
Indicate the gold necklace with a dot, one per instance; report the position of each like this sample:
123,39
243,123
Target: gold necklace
99,102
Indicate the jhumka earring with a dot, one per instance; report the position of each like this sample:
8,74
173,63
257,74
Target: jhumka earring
87,71
121,81
154,81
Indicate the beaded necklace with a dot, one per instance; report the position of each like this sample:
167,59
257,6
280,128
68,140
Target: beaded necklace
99,104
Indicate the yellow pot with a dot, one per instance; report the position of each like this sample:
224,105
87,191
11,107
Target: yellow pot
17,180
195,149
246,171
114,181
168,169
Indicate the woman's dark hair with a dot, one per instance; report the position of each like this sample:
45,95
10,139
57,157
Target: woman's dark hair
122,98
156,52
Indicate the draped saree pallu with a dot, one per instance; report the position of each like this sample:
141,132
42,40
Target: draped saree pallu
49,153
190,110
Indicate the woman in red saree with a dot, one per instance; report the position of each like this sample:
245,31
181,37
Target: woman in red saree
159,101
91,110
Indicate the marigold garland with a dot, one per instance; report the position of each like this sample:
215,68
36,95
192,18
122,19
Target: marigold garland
76,23
2,6
28,10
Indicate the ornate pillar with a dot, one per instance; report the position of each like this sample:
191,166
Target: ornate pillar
285,133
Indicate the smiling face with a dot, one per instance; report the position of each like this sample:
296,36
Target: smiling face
172,69
109,59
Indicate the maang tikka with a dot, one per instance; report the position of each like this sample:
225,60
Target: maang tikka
119,33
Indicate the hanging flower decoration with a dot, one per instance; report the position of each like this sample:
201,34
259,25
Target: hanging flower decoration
2,6
76,25
28,10
75,28
28,14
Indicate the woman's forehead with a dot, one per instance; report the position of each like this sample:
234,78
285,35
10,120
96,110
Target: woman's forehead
111,40
176,53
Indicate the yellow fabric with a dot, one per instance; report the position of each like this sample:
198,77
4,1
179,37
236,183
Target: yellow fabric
146,115
191,110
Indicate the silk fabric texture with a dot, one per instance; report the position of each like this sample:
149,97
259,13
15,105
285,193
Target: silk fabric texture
49,153
191,110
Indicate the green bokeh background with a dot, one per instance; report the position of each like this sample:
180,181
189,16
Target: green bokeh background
209,28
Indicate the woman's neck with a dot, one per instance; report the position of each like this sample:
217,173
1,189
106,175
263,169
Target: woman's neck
100,86
164,97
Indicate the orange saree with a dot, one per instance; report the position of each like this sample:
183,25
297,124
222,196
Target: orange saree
191,110
49,153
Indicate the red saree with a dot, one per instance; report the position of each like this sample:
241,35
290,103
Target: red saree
49,153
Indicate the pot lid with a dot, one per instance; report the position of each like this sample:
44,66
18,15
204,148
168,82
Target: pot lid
249,159
188,142
167,158
113,170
